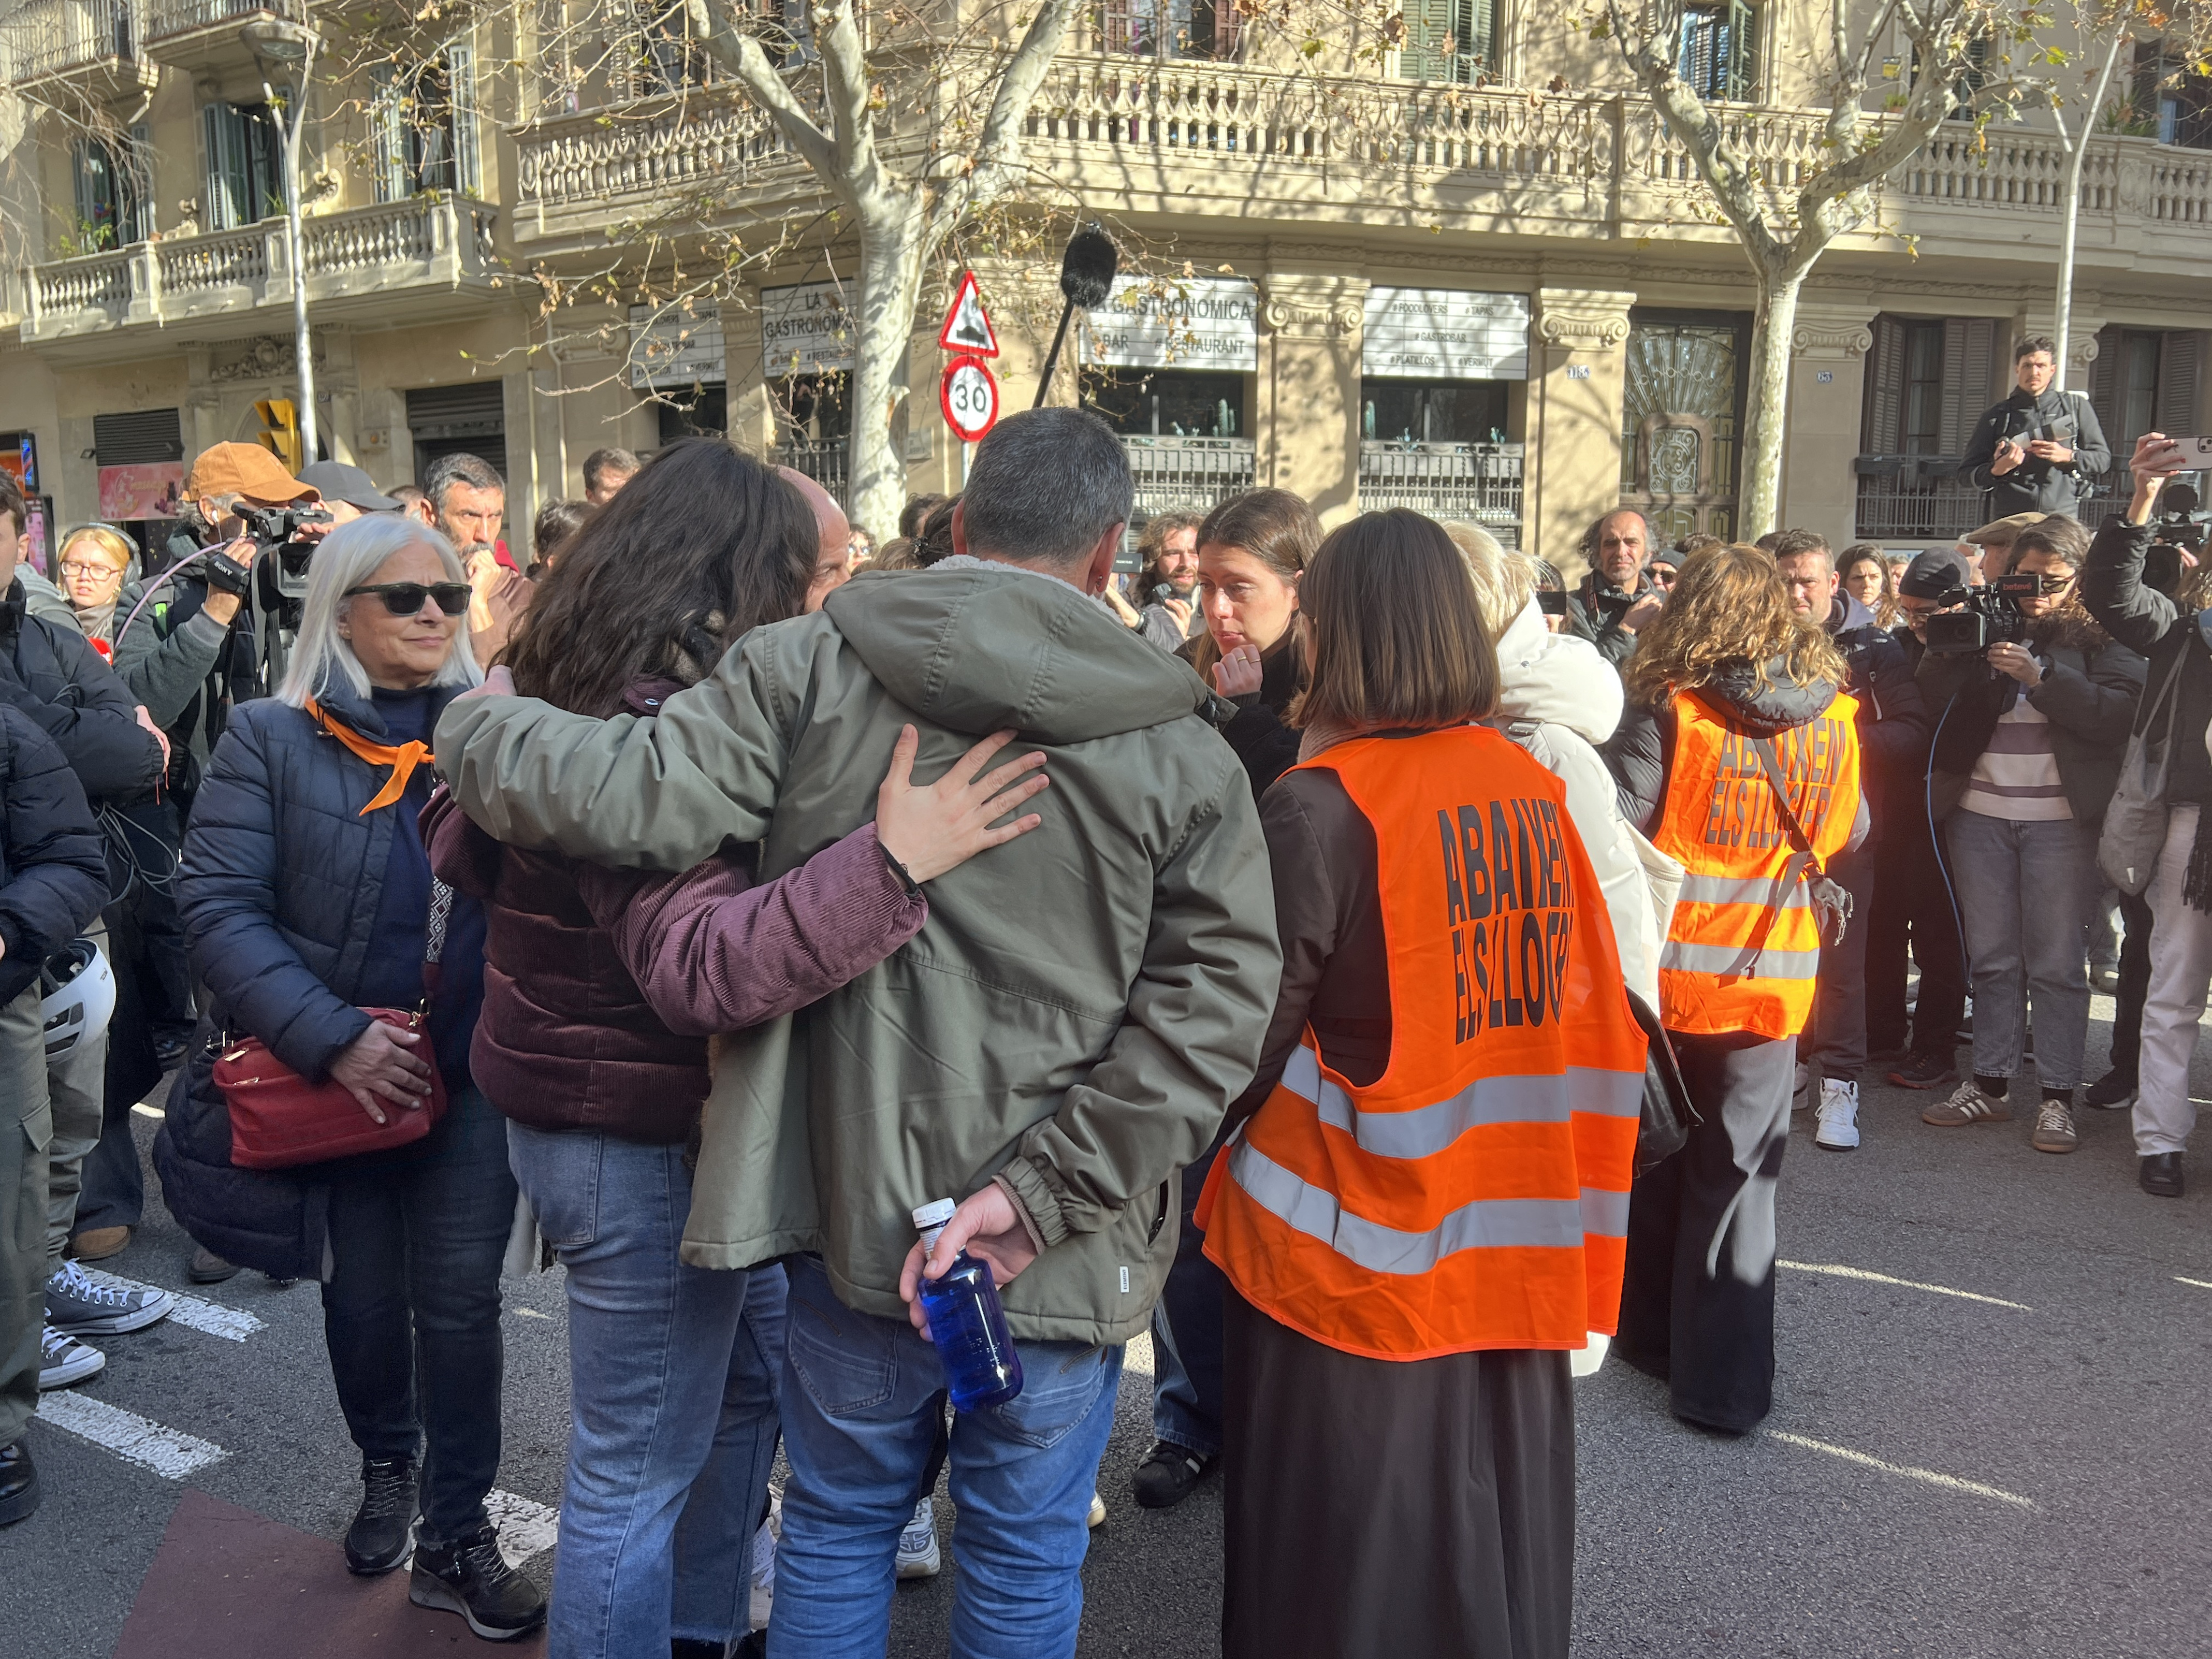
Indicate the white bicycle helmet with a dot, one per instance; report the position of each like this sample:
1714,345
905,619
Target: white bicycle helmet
76,997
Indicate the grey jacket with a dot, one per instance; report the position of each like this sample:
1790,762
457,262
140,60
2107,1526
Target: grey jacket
1080,1008
185,667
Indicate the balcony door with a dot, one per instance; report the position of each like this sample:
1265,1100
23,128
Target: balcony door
425,125
245,165
1681,409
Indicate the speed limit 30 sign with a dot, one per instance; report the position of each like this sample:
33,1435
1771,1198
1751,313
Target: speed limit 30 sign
969,397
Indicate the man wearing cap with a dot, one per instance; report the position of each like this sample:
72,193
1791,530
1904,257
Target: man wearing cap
2041,449
346,493
1988,550
1913,909
188,654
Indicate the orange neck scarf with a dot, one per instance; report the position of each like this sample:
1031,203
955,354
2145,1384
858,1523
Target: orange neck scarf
403,760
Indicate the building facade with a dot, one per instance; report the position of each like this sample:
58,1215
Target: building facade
1402,280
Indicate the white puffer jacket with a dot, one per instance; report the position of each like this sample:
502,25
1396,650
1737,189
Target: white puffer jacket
1572,695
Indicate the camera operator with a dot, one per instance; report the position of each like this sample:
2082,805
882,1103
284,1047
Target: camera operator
2041,449
2036,699
188,652
1893,731
468,500
1615,599
2181,892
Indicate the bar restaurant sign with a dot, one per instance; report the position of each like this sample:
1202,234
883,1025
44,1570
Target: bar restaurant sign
675,346
1445,334
805,330
1178,322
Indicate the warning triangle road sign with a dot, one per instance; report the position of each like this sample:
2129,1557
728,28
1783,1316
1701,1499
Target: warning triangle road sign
966,326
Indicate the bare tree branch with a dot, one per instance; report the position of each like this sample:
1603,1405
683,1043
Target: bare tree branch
741,54
998,149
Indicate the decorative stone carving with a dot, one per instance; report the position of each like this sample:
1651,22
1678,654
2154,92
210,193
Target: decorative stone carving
1826,339
268,357
1339,319
1589,330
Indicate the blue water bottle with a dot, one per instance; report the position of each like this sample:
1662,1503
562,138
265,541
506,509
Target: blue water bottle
966,1322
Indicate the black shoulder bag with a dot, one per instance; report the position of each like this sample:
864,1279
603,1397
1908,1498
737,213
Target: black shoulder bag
1832,901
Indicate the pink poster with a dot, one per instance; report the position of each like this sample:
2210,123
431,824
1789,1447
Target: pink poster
148,489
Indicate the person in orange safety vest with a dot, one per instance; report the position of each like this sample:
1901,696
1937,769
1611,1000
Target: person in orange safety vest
1739,757
1425,1215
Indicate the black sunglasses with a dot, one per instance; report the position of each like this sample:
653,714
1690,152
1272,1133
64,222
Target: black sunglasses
405,599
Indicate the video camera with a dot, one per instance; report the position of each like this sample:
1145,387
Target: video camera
2181,526
282,531
1988,616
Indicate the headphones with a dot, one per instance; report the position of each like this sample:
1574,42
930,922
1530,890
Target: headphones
137,553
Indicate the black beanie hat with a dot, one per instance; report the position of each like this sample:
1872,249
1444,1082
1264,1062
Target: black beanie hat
1933,573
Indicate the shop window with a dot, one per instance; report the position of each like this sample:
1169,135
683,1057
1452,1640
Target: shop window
1433,412
1166,403
1172,28
812,407
245,165
698,411
1450,41
425,123
1719,57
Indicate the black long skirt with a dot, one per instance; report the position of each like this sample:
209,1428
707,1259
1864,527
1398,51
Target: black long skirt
1420,1510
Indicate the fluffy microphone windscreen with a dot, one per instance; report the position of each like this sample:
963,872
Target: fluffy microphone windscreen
1086,270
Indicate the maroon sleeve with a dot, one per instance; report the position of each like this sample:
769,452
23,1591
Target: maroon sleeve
462,856
713,952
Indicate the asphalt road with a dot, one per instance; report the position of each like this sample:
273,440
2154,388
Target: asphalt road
2006,1454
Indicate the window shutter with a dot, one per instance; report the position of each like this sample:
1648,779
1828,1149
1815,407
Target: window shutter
1970,350
388,134
1882,429
2105,382
225,167
1742,48
1228,29
2181,358
468,156
137,183
88,189
1428,21
1120,36
1477,41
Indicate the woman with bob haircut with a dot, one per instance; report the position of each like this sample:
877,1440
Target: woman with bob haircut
603,988
1419,1211
1738,757
307,898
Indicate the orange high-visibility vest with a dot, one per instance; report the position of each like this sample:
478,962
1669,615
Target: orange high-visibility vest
1476,1195
1744,947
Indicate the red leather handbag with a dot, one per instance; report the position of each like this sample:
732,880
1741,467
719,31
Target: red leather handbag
279,1121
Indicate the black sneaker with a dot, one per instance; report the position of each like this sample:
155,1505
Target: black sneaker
1169,1471
383,1529
1929,1071
471,1577
19,1484
2115,1092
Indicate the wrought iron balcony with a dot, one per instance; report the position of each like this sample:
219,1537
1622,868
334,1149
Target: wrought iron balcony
418,260
1915,498
90,46
1193,472
1480,483
204,34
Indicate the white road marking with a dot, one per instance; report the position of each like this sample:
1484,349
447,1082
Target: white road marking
1949,1482
232,1324
168,1452
531,1313
524,1528
154,1112
2200,1283
1909,1283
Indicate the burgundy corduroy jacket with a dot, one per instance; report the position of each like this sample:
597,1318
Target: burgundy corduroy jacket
571,1039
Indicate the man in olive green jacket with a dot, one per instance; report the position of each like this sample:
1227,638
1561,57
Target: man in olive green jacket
1059,1040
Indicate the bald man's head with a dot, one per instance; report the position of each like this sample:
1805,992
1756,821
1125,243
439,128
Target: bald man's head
833,559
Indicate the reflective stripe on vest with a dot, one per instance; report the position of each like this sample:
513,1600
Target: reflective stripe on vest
1476,1195
1742,950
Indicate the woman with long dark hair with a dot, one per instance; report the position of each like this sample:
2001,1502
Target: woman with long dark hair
1420,1212
597,1054
1251,551
1738,758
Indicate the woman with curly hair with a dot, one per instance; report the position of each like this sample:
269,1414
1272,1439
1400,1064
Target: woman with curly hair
2027,754
1738,757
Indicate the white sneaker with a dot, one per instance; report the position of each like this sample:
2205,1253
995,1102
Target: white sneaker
1097,1518
63,1360
917,1551
1839,1116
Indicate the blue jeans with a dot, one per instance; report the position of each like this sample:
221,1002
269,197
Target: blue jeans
859,1399
2025,891
411,1311
1187,1336
673,1372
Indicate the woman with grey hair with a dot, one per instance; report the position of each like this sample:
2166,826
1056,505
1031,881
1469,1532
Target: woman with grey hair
307,898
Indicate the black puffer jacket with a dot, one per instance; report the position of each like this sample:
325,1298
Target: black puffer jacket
49,672
1267,747
1894,721
54,864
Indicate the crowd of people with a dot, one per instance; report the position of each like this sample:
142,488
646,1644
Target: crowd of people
1437,955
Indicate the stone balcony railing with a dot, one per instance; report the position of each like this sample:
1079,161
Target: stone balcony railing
391,260
1202,138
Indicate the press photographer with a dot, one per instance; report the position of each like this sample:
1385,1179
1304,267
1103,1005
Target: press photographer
186,645
2041,449
2033,701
